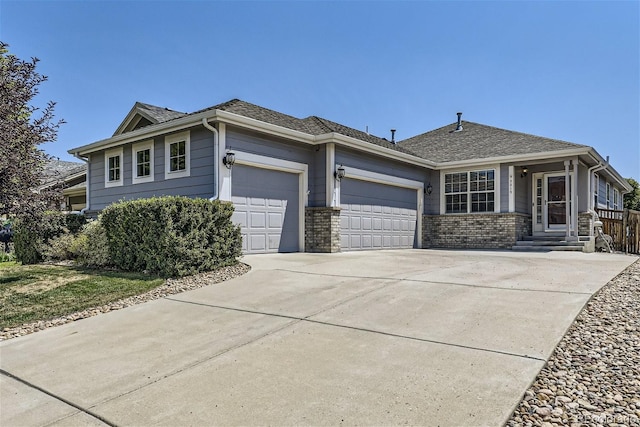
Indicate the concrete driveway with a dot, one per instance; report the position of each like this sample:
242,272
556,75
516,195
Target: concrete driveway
418,337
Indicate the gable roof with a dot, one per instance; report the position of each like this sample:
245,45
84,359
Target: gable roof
477,141
311,125
142,114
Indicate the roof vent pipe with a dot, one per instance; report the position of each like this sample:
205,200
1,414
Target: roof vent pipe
459,126
393,136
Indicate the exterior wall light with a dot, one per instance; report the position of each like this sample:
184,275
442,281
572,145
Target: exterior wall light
340,173
429,188
524,172
229,159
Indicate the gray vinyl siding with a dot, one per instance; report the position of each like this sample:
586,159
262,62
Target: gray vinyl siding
317,180
432,201
584,194
522,188
279,148
200,183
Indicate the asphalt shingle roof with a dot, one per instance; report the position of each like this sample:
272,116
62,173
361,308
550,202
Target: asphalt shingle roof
477,141
311,125
160,114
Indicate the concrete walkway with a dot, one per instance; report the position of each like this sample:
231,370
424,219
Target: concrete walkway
418,337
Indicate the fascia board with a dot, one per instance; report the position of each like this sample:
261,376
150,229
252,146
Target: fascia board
260,126
514,158
375,149
144,133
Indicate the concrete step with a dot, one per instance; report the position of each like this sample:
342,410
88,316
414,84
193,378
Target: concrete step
546,248
549,243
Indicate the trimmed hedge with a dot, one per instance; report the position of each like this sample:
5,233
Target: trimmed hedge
171,236
33,233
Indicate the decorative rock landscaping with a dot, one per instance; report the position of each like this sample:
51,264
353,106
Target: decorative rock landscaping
170,287
593,376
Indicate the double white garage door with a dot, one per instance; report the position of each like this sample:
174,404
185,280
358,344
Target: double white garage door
267,207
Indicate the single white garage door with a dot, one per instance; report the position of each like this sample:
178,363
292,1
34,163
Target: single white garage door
376,216
267,209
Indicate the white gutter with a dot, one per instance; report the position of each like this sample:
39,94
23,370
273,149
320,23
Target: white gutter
216,157
86,191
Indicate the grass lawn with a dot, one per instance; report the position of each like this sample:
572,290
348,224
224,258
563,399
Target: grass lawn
30,293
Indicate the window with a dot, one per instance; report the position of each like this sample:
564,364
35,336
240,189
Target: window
113,161
616,199
177,155
142,164
608,196
470,191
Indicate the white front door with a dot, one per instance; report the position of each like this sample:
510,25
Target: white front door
549,201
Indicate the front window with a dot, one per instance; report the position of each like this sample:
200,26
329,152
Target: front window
472,191
142,166
177,155
113,162
608,196
616,199
114,168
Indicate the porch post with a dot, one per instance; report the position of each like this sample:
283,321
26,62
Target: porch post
574,199
567,189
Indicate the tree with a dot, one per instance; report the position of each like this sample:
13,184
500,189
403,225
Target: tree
23,127
632,199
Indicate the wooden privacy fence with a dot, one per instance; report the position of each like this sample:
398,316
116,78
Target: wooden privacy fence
623,227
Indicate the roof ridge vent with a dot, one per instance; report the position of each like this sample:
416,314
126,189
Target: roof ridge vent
459,126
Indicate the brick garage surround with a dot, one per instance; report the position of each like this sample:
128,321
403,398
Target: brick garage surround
475,231
322,229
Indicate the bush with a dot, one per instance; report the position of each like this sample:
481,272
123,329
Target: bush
171,236
75,222
91,247
59,248
33,232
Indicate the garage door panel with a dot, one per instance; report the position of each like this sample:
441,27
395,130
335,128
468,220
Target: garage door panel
266,208
377,216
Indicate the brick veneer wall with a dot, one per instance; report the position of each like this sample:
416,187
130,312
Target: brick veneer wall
475,231
322,229
584,224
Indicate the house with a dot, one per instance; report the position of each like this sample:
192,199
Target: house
315,185
71,176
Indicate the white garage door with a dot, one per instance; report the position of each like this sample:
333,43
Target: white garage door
267,209
377,216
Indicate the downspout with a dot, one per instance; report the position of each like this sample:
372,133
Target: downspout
216,157
592,209
88,185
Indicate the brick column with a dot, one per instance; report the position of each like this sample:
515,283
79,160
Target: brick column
322,229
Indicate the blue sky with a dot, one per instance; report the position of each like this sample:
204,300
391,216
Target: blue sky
566,69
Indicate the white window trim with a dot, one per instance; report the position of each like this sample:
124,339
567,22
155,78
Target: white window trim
113,153
616,199
596,190
608,195
170,139
496,176
145,145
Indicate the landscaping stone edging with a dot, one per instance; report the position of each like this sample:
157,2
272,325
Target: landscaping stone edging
593,376
170,287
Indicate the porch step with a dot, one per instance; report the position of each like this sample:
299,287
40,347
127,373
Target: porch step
548,243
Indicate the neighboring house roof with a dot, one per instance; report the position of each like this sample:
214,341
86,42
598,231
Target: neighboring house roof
58,171
477,141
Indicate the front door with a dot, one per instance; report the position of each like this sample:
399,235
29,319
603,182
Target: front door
549,202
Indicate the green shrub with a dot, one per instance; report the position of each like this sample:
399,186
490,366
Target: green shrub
91,247
171,236
75,222
59,248
33,232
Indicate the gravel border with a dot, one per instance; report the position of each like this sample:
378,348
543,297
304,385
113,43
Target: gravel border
593,376
170,287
